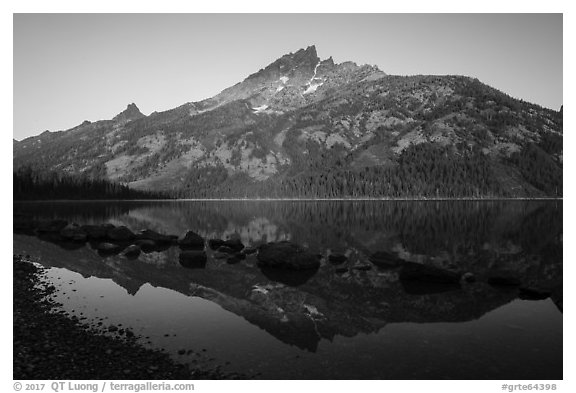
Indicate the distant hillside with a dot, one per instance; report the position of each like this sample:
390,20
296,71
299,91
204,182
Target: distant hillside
308,127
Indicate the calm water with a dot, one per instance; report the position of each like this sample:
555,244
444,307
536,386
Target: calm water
328,325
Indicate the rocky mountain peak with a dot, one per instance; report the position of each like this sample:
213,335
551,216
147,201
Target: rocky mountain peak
130,113
308,55
303,61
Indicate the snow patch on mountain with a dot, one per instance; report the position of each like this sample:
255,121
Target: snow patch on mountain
260,109
312,88
311,85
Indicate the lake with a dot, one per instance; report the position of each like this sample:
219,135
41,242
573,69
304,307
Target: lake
351,320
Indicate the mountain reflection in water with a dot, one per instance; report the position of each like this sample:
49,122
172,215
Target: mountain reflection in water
304,309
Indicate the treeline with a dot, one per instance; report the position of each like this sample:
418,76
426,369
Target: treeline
422,171
29,184
428,171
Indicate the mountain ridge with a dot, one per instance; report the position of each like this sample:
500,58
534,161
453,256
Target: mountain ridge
301,120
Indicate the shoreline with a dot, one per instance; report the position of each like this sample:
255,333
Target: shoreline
408,199
51,345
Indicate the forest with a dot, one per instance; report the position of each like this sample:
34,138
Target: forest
422,171
427,171
29,184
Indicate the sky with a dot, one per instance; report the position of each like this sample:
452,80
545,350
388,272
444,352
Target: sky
74,67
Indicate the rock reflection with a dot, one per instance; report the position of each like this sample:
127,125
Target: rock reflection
302,308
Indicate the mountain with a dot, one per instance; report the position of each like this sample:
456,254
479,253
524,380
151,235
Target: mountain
130,113
307,127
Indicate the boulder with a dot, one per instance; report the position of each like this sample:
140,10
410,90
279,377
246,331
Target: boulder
74,233
337,259
156,237
191,241
193,259
234,244
411,271
147,245
385,260
120,234
96,232
249,250
131,251
221,255
226,250
286,255
362,267
214,244
108,248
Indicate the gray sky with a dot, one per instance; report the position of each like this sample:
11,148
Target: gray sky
74,67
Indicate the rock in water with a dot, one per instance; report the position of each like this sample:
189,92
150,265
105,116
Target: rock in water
362,267
286,255
191,241
226,250
156,237
147,245
193,259
120,234
96,232
214,244
385,260
234,244
249,250
73,232
108,248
